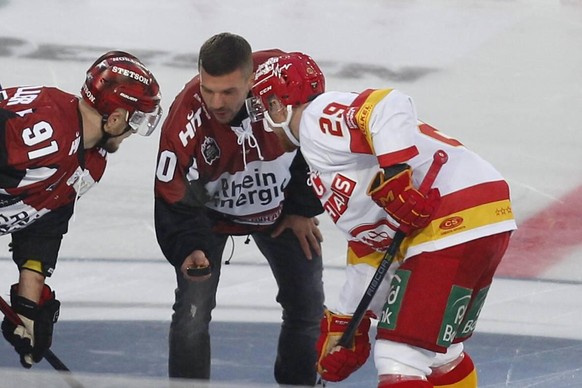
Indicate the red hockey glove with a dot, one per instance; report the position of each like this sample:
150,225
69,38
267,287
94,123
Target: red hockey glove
336,363
34,337
412,209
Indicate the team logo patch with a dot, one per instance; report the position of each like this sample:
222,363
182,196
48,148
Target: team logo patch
469,322
377,236
455,311
210,150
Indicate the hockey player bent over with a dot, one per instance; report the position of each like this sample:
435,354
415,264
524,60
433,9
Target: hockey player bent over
368,154
53,148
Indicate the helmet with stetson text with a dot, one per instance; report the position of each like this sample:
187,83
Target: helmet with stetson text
120,80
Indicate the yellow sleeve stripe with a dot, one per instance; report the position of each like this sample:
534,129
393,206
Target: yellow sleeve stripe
365,112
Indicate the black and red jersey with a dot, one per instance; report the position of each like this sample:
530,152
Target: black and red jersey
43,166
238,173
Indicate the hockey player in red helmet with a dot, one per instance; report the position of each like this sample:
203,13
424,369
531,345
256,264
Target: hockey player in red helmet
368,153
293,79
119,80
53,148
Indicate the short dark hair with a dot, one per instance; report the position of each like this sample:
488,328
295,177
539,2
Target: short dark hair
224,53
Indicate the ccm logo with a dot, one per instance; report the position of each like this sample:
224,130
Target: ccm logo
451,223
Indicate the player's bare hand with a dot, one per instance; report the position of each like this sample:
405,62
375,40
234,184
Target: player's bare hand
306,229
196,267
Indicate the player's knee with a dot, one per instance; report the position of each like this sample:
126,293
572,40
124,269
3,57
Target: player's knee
457,373
400,365
393,358
452,354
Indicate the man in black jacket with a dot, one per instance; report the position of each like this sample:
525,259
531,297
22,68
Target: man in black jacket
219,175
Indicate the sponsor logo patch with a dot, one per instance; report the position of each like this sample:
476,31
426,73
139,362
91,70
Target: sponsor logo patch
455,311
389,317
451,223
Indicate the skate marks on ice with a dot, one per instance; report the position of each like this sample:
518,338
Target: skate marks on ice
13,47
134,354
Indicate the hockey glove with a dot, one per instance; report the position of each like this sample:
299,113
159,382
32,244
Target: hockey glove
33,337
336,363
412,209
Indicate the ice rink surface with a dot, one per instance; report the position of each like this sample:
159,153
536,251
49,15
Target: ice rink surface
504,77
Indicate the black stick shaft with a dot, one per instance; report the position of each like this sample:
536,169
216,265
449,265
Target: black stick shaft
439,158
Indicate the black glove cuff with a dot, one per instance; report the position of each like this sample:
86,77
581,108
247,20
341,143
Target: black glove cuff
49,305
24,306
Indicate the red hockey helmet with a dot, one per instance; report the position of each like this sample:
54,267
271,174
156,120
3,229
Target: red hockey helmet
293,78
119,80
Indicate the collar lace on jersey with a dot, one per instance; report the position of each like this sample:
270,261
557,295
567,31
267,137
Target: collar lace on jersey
245,136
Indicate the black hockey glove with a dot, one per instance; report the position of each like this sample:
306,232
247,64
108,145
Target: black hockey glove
33,337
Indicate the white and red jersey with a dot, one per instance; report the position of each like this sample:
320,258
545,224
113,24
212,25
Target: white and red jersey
347,137
43,165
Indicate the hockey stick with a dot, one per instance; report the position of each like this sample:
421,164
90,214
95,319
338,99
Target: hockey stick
48,355
440,157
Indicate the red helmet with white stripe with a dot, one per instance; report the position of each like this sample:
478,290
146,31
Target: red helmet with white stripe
289,80
293,78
